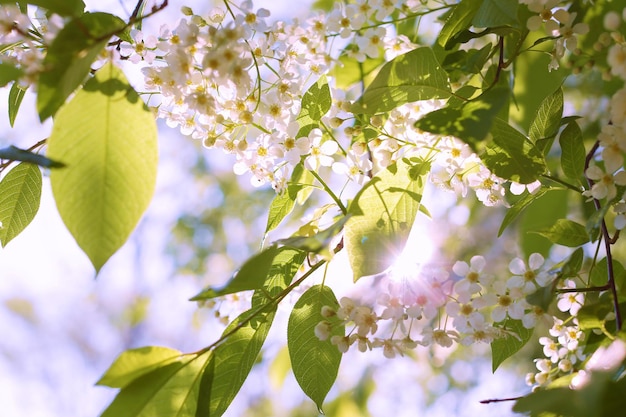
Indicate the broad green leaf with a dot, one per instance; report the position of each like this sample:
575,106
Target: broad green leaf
496,13
572,266
458,21
504,348
316,102
20,194
255,271
512,156
573,152
410,77
8,73
593,315
382,216
69,58
12,153
134,363
60,7
16,95
467,62
516,209
542,297
232,361
546,125
350,71
471,122
315,363
566,232
169,390
107,138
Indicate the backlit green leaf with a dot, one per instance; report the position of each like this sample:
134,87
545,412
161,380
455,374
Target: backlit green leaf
255,271
512,156
458,20
416,75
382,216
505,347
315,363
107,138
573,152
69,58
316,102
60,7
169,390
283,203
351,71
231,363
519,206
8,73
134,363
548,119
20,194
16,95
470,122
318,242
496,13
566,232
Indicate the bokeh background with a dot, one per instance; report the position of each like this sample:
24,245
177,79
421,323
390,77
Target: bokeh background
61,326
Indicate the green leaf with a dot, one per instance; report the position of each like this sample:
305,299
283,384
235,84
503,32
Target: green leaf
8,73
458,21
169,390
350,71
382,216
566,232
317,243
16,95
516,209
316,102
283,203
542,297
69,57
542,213
315,363
496,13
573,152
572,266
471,122
20,194
512,156
134,363
233,359
546,125
12,153
504,348
255,271
60,7
107,138
410,77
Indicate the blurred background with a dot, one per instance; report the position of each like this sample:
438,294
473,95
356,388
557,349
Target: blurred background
62,327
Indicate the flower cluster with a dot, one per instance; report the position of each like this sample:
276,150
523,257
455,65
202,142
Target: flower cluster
436,307
556,22
30,38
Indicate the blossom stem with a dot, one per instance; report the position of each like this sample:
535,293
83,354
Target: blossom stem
577,290
607,243
330,192
564,183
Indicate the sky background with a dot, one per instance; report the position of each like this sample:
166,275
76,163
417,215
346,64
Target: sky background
62,326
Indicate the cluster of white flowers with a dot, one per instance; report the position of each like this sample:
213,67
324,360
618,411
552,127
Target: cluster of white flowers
236,82
29,39
435,308
556,22
562,349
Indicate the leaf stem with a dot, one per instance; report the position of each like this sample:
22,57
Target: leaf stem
563,183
